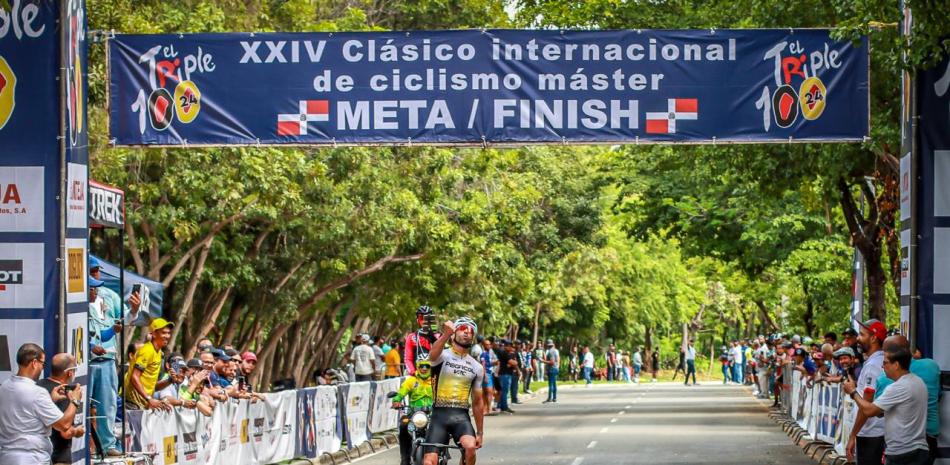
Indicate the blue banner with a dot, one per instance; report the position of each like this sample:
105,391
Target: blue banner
488,87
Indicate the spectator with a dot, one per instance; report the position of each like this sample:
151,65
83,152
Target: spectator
804,363
929,372
850,337
611,357
143,374
637,365
537,360
205,345
832,338
508,363
552,362
103,379
690,355
588,366
113,306
866,443
573,364
63,371
623,365
29,412
725,358
681,365
904,406
737,357
192,393
760,356
655,364
364,359
527,371
489,361
394,360
375,344
175,376
248,363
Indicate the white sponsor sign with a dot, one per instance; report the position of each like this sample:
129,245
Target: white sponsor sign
383,417
905,188
357,412
326,413
21,275
77,190
21,199
13,334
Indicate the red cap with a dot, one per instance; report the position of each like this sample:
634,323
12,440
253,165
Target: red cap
246,356
876,328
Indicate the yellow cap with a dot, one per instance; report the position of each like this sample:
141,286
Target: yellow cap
159,323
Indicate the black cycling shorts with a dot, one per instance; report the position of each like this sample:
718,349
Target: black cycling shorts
446,422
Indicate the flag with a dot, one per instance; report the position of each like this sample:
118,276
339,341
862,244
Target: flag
679,109
295,124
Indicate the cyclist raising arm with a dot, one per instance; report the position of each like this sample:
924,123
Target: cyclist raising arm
458,387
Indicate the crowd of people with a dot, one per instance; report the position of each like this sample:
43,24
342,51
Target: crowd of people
895,389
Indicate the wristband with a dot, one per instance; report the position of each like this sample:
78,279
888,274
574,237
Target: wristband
75,403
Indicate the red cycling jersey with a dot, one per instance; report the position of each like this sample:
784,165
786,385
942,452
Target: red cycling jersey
417,348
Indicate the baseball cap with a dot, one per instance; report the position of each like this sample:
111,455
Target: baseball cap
849,332
799,352
364,338
797,339
93,282
159,323
249,356
549,342
232,353
220,355
194,363
876,328
94,262
844,351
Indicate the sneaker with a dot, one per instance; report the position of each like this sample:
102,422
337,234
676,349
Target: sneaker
508,410
547,401
113,453
517,402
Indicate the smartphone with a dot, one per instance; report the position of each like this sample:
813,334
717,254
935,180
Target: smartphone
137,288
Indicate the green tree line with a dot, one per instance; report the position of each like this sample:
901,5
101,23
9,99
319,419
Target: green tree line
290,251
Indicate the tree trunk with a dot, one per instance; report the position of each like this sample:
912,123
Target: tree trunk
877,282
188,300
537,320
809,317
866,237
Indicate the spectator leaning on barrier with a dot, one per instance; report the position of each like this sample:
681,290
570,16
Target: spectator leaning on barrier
175,377
29,413
63,371
866,443
375,344
929,372
143,374
904,406
850,337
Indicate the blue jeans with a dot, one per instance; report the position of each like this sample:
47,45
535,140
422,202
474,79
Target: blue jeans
587,372
552,383
103,385
505,388
725,374
737,373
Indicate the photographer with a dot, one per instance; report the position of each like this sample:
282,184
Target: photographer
29,412
64,369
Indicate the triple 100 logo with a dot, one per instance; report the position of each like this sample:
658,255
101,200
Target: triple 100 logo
167,69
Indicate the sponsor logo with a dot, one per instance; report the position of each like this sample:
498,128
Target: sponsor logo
79,342
191,446
811,96
7,92
244,431
187,101
76,272
105,206
258,429
21,199
75,100
170,449
11,273
686,109
309,111
76,197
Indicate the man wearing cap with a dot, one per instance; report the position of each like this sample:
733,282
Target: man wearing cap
114,308
850,337
143,375
866,443
103,380
552,363
364,360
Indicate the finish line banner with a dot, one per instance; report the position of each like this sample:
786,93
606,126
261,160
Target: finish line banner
488,87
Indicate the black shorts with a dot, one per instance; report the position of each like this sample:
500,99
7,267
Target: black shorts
446,422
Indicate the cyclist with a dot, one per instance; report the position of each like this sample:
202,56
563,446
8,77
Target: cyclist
419,390
458,387
419,342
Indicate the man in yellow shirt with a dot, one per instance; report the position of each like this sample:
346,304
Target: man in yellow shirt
394,361
143,375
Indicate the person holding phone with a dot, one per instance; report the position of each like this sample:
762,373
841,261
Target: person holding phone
63,373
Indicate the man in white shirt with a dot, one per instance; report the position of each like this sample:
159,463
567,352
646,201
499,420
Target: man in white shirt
364,360
866,444
29,413
904,410
690,353
588,365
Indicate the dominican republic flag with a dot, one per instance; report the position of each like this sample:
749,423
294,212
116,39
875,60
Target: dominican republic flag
295,124
679,109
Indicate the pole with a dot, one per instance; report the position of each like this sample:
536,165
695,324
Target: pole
122,335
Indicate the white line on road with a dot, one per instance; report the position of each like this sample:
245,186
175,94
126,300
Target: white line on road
613,420
621,412
627,407
592,444
577,461
604,429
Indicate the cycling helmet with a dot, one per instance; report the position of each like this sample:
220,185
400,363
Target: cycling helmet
424,310
423,363
466,321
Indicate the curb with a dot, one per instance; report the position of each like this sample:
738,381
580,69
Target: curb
819,451
377,444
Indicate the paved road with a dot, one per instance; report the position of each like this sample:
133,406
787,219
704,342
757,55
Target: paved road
662,423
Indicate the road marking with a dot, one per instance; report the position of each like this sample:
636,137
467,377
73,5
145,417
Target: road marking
604,429
577,461
613,420
592,444
621,412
